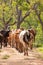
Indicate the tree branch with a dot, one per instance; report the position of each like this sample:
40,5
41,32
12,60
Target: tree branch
39,18
38,13
28,1
1,27
12,23
27,14
9,19
3,17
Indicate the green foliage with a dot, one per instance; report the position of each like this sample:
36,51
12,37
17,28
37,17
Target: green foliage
40,50
24,25
8,8
39,37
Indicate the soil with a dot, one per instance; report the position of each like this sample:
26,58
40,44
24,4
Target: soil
16,58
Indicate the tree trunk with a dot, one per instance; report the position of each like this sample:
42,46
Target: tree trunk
40,20
18,25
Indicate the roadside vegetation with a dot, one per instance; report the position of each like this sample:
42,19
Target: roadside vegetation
5,56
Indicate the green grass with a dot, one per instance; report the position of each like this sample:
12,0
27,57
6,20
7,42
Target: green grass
5,57
40,50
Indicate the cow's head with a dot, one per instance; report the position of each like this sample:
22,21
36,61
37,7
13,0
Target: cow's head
33,32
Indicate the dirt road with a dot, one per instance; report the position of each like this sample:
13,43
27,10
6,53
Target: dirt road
16,58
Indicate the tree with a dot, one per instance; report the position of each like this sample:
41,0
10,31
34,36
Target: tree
16,11
6,15
38,7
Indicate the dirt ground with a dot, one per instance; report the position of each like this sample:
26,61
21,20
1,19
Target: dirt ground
10,56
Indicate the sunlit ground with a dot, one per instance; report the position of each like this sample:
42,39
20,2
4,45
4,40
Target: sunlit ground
40,50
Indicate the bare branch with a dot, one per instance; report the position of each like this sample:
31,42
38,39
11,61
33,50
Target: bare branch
9,19
17,9
26,15
28,1
39,17
38,13
3,19
12,23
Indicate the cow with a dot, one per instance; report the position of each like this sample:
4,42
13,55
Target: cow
13,39
3,37
1,40
32,37
26,37
21,39
19,45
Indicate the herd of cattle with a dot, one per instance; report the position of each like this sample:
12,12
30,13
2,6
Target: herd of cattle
20,39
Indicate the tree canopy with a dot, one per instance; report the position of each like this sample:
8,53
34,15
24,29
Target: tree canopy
22,13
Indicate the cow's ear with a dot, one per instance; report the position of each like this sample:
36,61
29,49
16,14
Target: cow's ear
29,30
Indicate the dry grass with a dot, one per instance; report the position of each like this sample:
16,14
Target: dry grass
0,50
5,57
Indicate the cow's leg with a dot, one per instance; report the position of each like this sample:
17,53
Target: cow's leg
20,47
31,45
10,41
26,49
17,46
5,43
13,43
1,45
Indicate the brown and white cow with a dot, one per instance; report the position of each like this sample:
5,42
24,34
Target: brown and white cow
21,39
26,37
